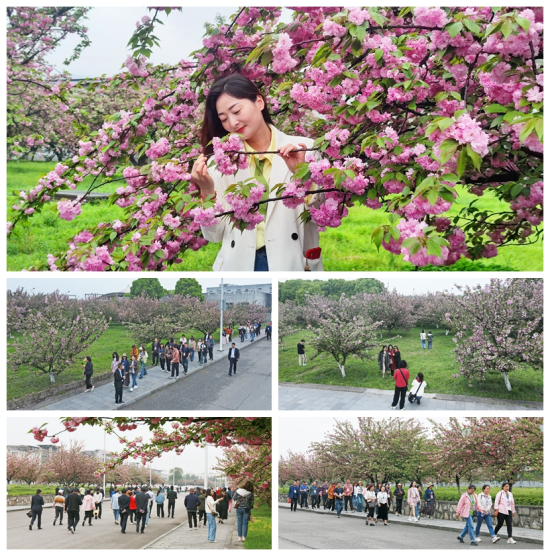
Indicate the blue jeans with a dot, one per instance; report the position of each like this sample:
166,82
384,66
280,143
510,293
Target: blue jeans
252,336
192,354
185,363
429,344
243,515
116,512
339,506
360,502
134,379
480,519
417,510
211,527
143,371
468,528
260,262
423,344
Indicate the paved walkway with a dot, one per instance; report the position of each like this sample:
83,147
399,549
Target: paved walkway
299,397
184,538
519,533
103,397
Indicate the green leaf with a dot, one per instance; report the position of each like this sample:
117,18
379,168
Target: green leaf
395,233
539,129
410,242
398,150
507,28
378,54
523,23
377,17
415,248
377,236
432,197
433,248
527,129
475,158
471,25
444,123
448,148
447,195
267,56
454,29
495,108
516,190
461,162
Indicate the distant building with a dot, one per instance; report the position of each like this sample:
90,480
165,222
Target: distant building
43,450
233,294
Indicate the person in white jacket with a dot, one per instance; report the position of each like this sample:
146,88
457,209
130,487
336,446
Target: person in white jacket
209,507
370,502
418,386
98,499
485,502
281,242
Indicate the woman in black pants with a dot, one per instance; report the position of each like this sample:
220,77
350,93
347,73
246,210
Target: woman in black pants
370,504
505,510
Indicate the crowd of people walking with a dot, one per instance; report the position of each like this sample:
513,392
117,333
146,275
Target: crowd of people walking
134,505
376,501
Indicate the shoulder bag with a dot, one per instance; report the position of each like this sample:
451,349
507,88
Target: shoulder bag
412,397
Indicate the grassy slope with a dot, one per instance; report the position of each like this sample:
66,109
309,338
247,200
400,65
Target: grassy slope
523,496
346,248
438,366
115,339
259,532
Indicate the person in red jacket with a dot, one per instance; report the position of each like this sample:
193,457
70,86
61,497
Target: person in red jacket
401,377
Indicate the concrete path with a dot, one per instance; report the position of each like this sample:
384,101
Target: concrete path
184,538
212,388
103,397
337,398
327,528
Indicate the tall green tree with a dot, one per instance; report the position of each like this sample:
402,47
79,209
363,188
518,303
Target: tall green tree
189,286
149,287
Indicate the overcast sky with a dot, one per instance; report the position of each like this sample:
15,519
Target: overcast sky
79,285
110,29
414,282
296,434
191,461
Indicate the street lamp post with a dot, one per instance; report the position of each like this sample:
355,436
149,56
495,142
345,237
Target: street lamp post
221,318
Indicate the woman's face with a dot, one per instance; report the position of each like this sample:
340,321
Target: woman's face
240,115
506,488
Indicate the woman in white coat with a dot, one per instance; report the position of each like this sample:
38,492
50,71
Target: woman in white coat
235,105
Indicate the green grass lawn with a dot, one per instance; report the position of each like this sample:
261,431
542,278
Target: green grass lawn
438,366
259,532
28,381
24,490
523,496
346,248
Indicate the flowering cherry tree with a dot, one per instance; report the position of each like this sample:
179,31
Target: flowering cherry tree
54,336
291,320
499,328
393,309
340,328
410,108
241,313
172,434
26,467
68,465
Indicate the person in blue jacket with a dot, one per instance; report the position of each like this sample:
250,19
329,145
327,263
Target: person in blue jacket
304,491
293,493
429,499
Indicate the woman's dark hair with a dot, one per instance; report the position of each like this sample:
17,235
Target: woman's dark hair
248,486
115,356
88,358
420,377
209,492
429,331
484,487
390,346
38,491
382,348
504,484
422,330
234,85
402,364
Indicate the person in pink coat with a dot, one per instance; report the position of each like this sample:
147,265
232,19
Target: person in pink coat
467,507
88,506
412,500
506,508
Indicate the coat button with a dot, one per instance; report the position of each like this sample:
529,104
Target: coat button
233,243
294,236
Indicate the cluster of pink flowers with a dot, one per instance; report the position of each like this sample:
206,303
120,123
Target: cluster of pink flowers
137,66
282,60
39,434
228,163
68,210
429,17
330,213
158,149
243,206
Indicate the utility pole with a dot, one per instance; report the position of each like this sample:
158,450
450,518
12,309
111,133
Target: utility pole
206,466
221,318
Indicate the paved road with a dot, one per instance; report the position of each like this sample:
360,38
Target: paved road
103,533
103,397
305,530
342,398
212,388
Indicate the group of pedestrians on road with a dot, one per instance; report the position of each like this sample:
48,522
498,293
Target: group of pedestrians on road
253,331
376,502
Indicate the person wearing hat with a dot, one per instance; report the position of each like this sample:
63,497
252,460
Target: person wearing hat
59,506
467,506
398,494
429,501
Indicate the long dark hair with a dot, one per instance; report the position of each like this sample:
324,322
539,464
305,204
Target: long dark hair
235,85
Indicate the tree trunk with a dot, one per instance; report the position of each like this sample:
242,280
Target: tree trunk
341,367
52,378
458,485
446,332
507,381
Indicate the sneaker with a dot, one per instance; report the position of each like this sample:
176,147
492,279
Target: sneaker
122,403
92,389
212,541
511,541
416,519
131,389
196,529
402,409
54,522
372,525
71,529
478,539
410,518
30,527
135,386
473,543
460,539
137,528
496,539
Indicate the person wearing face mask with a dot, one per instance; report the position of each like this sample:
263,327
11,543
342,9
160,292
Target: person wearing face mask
282,241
